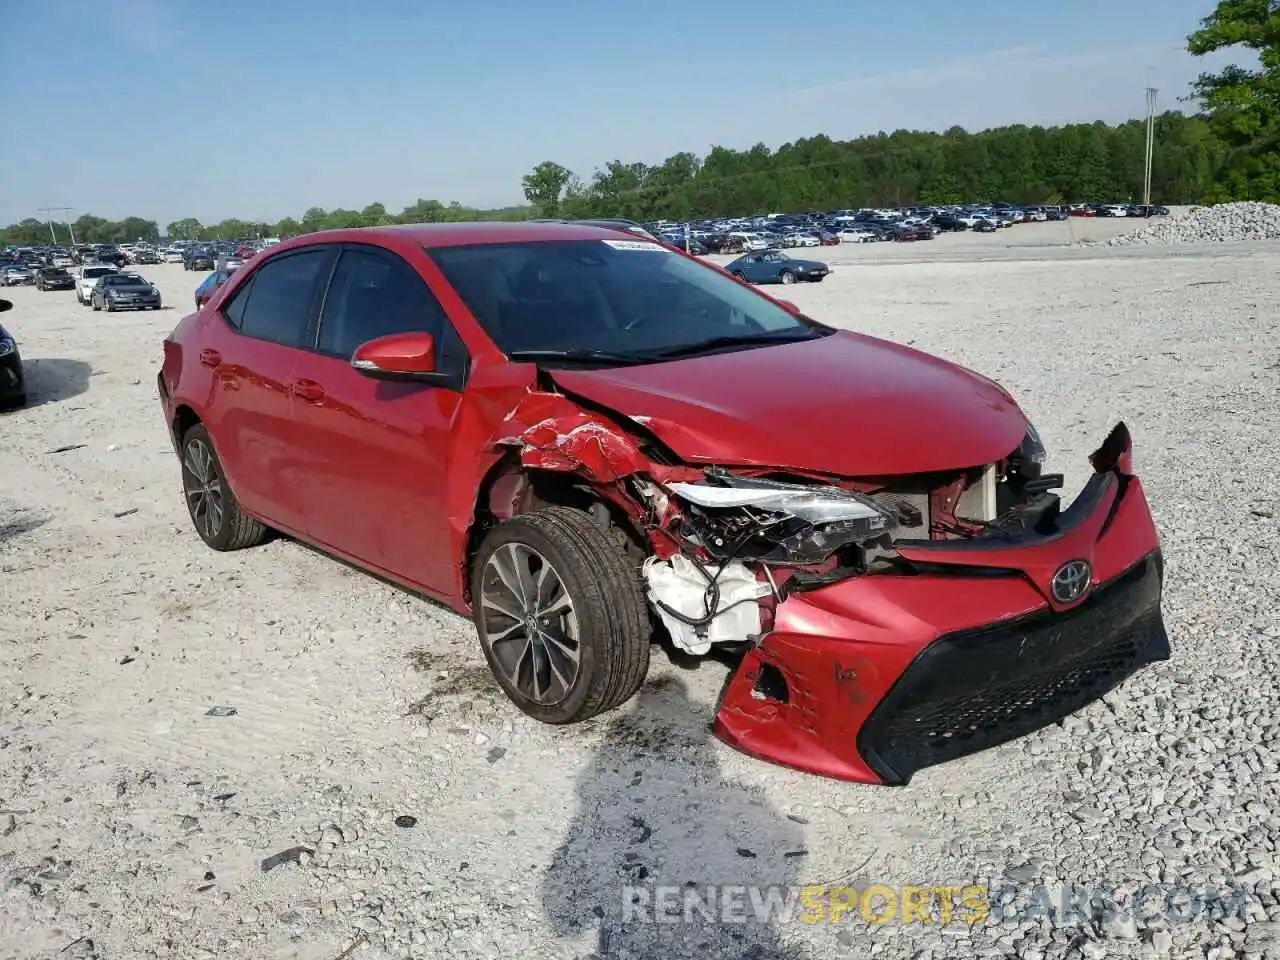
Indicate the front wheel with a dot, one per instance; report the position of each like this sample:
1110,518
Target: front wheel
214,510
562,619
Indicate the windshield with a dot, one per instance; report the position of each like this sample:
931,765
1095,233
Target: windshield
625,298
97,271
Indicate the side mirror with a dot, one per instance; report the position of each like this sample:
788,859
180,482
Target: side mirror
402,357
5,305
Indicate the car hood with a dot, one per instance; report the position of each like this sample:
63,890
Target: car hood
846,405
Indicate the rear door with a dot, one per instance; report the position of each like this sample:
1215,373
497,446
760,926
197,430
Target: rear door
254,340
373,456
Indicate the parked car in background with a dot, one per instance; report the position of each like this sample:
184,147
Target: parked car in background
87,278
775,266
54,278
912,231
13,382
109,253
16,275
124,291
573,435
211,283
198,258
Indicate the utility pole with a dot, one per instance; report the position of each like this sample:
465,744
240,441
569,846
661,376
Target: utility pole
1151,144
66,212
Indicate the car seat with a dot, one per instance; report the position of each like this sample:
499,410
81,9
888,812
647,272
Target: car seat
549,308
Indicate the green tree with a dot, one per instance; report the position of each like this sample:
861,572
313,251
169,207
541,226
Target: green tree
544,185
1244,104
188,228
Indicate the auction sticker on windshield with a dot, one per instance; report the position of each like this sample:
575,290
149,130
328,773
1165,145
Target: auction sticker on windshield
634,245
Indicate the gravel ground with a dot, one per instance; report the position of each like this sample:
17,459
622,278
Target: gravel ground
136,812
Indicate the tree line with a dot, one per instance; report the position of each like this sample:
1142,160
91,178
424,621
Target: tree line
1228,150
89,229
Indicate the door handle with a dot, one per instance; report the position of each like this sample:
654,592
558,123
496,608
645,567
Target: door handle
210,358
308,390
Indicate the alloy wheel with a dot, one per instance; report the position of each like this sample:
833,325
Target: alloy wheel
203,488
528,623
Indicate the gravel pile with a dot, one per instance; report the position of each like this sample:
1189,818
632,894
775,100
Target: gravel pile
1223,223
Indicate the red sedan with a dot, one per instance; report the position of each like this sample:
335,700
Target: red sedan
589,441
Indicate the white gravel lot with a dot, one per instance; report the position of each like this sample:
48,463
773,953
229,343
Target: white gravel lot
134,824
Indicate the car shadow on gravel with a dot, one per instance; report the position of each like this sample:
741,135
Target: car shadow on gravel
52,380
658,829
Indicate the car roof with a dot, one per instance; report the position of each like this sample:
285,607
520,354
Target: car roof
463,233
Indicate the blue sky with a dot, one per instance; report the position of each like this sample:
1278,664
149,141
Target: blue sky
221,108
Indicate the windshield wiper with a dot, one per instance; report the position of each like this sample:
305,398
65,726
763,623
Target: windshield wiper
575,356
737,340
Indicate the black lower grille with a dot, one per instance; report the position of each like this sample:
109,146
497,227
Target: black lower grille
974,689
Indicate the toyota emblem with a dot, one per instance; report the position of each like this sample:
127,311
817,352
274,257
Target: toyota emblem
1071,580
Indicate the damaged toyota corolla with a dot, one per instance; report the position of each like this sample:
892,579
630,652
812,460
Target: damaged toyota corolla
589,441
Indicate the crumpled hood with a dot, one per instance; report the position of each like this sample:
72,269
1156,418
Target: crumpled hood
846,404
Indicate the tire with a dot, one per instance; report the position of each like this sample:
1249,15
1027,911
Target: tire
606,605
230,529
94,305
787,277
740,275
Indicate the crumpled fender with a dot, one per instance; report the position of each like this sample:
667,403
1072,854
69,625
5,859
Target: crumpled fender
503,411
572,441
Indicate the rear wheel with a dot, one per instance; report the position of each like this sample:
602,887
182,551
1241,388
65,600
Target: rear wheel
214,510
786,276
561,616
740,275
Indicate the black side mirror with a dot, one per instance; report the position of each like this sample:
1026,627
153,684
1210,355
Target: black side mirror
5,305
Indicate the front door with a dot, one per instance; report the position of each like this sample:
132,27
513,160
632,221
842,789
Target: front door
374,455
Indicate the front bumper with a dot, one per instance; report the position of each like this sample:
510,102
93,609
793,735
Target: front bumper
877,677
148,303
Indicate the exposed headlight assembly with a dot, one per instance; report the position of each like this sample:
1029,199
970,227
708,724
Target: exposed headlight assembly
1032,448
748,518
7,347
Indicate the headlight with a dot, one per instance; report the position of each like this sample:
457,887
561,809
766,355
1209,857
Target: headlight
7,346
1027,462
1032,448
747,518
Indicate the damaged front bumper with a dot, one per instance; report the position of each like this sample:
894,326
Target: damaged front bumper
878,676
